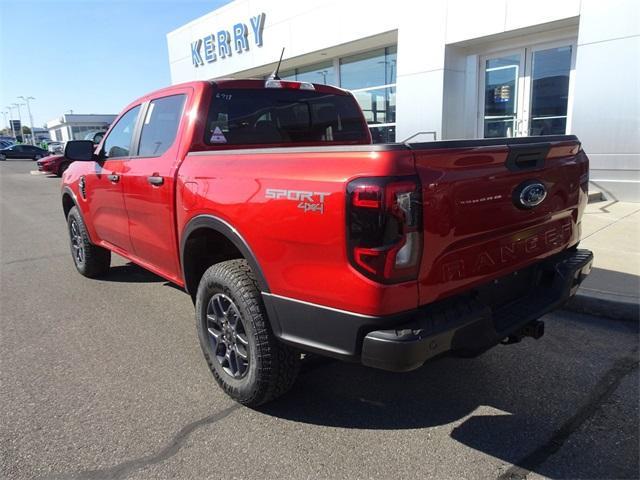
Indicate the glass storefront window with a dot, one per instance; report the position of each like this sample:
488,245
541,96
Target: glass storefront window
386,134
550,91
369,69
378,105
321,73
371,77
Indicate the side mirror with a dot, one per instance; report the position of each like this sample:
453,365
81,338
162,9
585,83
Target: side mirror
80,150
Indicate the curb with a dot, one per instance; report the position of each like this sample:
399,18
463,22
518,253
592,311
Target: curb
604,305
595,197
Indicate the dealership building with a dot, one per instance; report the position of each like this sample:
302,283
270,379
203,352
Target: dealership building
75,126
448,69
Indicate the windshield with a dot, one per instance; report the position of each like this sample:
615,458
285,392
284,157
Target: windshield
276,116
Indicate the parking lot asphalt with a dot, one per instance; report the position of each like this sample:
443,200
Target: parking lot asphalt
105,379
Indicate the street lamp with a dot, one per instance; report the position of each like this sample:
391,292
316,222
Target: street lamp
13,132
18,105
33,133
4,114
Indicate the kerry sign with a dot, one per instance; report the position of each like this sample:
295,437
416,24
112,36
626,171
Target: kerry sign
221,45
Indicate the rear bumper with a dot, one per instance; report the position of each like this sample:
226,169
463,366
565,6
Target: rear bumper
466,324
469,325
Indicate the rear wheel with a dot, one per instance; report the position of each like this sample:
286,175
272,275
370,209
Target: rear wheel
90,260
243,354
37,157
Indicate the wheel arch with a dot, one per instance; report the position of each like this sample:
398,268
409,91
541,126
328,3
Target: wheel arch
207,240
68,201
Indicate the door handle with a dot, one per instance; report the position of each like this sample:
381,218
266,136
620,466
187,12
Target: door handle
155,180
114,178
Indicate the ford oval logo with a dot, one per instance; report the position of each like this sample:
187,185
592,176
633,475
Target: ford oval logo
529,194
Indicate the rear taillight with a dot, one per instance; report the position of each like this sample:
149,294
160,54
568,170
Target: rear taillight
384,227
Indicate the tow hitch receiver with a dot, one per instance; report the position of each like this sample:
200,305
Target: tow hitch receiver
534,329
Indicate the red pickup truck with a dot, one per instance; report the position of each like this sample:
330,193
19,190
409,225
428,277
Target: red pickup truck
268,204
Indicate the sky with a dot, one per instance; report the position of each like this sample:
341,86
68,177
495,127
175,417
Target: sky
89,56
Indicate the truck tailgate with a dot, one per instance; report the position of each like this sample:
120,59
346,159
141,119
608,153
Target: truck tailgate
476,226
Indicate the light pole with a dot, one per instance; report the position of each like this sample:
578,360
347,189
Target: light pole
18,105
33,133
13,132
4,114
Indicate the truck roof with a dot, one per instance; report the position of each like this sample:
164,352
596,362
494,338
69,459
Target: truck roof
237,83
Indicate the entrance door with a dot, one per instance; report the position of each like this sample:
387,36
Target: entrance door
526,91
503,82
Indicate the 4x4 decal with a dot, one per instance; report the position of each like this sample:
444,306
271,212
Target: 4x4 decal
307,201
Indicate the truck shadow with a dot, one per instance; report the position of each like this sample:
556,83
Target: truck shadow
132,273
506,403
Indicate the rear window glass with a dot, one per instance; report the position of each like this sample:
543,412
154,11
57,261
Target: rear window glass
271,116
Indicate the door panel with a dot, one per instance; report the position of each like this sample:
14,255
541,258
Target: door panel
104,186
149,186
106,203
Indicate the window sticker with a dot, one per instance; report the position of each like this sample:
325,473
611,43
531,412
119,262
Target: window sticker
217,136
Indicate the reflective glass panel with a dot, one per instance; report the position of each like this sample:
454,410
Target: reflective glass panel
323,73
378,105
118,143
369,69
549,91
383,134
501,95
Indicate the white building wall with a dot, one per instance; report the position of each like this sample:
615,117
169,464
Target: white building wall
606,106
438,61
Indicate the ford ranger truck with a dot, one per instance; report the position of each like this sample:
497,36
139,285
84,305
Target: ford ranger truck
293,234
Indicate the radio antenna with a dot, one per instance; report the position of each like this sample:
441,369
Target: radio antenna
274,75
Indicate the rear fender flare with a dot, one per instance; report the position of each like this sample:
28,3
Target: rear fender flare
227,230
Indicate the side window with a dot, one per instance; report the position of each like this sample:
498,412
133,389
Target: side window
160,125
118,143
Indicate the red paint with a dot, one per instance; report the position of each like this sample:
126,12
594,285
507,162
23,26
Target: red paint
50,164
472,232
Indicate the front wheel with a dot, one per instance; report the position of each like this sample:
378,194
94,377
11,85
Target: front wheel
243,354
2,158
90,260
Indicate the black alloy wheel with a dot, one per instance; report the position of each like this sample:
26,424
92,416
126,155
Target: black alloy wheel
228,336
77,243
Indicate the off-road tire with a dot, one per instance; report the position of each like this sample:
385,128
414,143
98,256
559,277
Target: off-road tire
273,366
95,260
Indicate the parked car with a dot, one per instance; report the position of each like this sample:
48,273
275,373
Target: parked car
55,164
293,233
23,151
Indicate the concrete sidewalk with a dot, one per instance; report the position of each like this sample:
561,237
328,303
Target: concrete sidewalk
611,229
